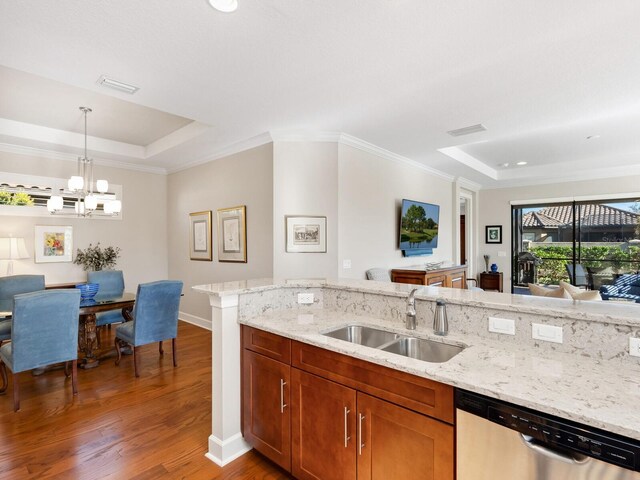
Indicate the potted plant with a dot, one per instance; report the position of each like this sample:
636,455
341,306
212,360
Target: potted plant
97,258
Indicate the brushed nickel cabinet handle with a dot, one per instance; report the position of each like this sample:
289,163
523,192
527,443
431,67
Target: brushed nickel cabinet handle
282,404
346,426
360,439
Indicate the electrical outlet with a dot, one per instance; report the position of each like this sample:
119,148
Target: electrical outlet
634,346
546,333
502,325
305,298
346,264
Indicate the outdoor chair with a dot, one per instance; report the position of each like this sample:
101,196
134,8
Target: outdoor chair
155,318
44,328
582,279
15,285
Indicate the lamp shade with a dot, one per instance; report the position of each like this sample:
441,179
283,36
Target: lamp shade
90,202
13,249
102,186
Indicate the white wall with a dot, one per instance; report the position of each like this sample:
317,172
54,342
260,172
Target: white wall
245,178
305,182
495,209
141,234
371,189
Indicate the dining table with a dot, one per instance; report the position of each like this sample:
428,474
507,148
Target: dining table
87,332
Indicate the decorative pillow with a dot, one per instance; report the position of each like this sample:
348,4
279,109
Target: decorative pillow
540,291
580,294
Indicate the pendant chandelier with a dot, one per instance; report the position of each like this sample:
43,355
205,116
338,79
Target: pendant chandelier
80,188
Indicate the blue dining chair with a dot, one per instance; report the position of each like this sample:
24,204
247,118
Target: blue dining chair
44,327
111,285
155,318
15,285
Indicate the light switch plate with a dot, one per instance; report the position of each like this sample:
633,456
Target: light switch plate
346,264
546,333
502,325
634,346
305,298
502,253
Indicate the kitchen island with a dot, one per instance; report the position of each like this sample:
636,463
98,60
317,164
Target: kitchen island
589,378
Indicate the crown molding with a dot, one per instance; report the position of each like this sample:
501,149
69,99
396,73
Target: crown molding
70,157
468,184
304,136
238,147
354,142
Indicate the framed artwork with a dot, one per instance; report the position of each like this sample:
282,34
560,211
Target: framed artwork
493,234
306,234
200,236
53,244
232,234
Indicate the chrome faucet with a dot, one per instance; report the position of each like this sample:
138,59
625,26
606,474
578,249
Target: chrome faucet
410,321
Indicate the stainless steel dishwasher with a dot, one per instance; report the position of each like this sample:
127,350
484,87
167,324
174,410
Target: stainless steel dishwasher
496,440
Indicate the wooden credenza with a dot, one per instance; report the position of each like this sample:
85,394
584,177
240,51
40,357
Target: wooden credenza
450,277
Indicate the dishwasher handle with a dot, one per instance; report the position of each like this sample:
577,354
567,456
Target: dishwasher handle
572,458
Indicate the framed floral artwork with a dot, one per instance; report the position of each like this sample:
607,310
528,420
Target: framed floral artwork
232,234
53,243
200,236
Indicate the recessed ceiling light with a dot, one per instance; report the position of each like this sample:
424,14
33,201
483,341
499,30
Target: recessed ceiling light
506,164
593,137
521,163
117,85
226,6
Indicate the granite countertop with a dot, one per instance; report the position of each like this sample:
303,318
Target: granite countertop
584,390
612,312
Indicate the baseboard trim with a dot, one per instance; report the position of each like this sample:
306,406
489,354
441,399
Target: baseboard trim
223,452
197,321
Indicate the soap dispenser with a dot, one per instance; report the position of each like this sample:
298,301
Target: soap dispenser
440,323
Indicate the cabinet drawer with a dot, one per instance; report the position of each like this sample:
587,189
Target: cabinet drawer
416,393
268,344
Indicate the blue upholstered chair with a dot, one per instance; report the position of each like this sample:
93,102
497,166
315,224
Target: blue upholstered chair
155,318
111,285
14,285
44,327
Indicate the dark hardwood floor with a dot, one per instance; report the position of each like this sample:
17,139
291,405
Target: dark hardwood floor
120,427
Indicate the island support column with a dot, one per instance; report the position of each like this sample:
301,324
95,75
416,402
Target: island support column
226,442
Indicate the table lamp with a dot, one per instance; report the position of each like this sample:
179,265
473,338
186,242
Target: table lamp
12,249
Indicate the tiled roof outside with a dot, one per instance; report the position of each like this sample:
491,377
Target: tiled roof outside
590,215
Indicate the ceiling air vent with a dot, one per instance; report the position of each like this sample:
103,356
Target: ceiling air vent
467,130
117,85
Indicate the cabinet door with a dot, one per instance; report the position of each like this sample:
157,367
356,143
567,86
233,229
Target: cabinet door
397,443
266,416
436,280
456,280
323,432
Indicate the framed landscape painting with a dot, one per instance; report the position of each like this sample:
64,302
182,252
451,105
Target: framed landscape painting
306,234
493,234
200,236
53,243
232,234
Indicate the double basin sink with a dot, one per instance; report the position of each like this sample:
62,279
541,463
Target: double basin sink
418,348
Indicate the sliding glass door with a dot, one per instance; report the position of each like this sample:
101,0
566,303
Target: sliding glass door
588,244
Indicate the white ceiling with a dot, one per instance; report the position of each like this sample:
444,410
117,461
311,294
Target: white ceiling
399,74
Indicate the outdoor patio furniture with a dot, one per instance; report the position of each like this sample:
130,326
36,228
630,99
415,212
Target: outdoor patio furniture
626,286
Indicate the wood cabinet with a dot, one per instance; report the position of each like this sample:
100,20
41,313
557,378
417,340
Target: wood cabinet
398,443
491,281
266,379
349,419
450,277
322,428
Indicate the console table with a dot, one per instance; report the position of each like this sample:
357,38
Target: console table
450,277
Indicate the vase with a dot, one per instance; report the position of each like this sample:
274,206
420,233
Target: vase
494,268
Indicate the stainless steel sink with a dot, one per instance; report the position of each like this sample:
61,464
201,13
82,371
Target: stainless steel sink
422,349
370,337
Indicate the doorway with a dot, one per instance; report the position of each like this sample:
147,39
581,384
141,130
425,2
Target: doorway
466,232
